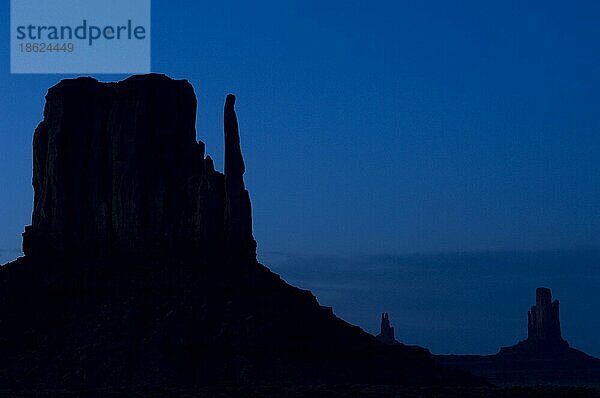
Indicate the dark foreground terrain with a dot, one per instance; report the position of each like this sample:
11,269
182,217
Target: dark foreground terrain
328,391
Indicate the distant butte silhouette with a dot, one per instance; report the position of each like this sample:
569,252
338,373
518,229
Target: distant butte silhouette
543,327
140,264
543,358
386,334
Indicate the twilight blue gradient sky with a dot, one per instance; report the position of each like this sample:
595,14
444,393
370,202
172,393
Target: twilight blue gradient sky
379,127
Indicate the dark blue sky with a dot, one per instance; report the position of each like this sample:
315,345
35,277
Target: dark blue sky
379,127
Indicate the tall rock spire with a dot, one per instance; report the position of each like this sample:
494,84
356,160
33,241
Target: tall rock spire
386,334
238,211
543,328
544,319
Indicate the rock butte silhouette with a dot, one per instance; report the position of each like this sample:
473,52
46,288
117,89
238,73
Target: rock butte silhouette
544,357
386,333
117,171
140,265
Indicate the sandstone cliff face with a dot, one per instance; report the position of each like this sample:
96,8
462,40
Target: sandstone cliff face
118,172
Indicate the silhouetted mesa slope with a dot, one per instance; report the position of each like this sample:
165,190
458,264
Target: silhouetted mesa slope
544,357
140,264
